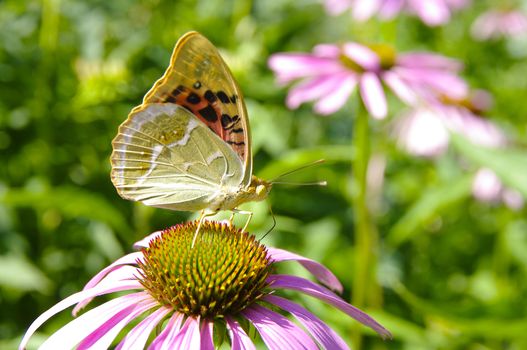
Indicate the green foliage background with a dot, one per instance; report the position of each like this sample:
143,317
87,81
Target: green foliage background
452,270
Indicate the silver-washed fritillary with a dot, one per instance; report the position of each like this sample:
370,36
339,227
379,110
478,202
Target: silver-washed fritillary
187,146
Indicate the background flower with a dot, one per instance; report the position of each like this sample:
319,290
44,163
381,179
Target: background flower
431,12
498,23
225,278
331,73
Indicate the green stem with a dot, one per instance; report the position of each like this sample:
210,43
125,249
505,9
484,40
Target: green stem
364,289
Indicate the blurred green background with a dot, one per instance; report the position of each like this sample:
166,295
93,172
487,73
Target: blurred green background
452,270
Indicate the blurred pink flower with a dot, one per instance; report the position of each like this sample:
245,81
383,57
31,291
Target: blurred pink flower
495,24
425,131
231,280
431,12
331,73
487,187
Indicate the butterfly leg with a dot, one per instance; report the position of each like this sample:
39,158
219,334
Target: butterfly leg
202,217
231,219
245,212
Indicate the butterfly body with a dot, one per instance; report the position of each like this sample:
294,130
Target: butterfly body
187,146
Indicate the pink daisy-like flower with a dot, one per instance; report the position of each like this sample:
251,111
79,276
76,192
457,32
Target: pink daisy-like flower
431,12
498,23
185,294
425,131
331,73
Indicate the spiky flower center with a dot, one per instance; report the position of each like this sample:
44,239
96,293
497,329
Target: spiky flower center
222,274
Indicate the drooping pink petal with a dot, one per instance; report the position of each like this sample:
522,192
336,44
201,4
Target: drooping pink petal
334,100
310,288
291,66
318,329
136,339
318,270
278,332
239,339
75,331
373,95
207,341
103,336
119,273
169,332
73,299
188,337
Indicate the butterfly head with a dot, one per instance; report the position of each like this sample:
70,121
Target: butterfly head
259,188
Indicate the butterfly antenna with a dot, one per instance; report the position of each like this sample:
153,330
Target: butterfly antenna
318,183
316,162
272,227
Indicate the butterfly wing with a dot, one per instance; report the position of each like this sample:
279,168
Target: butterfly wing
199,80
164,156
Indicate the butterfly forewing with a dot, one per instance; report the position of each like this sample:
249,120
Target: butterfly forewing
166,157
199,80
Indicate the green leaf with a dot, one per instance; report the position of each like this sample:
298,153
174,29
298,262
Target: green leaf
72,202
19,274
509,164
430,204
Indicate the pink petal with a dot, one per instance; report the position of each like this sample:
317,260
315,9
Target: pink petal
171,330
428,60
73,299
310,288
80,328
373,95
146,241
334,100
486,186
290,66
313,89
136,339
327,51
365,9
318,329
390,8
239,339
432,12
188,336
318,270
207,341
278,332
336,7
400,88
120,273
362,55
104,336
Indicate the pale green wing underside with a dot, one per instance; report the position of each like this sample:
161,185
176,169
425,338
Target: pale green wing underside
165,157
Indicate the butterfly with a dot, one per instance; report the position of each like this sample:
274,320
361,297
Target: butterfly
187,147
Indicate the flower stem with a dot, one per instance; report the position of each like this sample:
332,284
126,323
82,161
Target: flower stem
364,288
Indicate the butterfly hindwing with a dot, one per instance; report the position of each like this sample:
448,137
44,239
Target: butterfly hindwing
199,80
166,157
